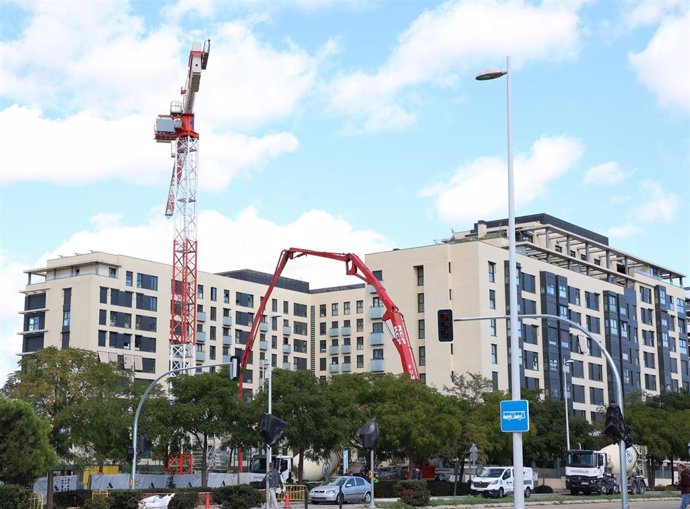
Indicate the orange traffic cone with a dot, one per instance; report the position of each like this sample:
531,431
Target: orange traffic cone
208,501
287,499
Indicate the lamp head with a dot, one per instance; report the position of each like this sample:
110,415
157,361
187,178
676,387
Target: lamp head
490,73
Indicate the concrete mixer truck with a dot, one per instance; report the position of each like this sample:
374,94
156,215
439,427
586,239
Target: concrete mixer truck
589,471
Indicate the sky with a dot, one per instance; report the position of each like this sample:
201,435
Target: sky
337,125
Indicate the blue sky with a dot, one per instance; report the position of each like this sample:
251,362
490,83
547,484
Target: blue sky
340,125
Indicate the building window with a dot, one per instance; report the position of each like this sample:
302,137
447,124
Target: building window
377,353
650,382
334,309
112,272
419,273
421,329
129,278
214,294
492,272
322,310
147,282
420,303
65,318
346,308
422,356
226,296
492,327
200,292
360,361
494,380
360,306
492,299
360,324
595,372
360,343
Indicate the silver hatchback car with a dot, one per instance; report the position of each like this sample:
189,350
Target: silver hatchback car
351,488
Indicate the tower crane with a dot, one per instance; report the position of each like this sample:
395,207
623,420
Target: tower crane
177,128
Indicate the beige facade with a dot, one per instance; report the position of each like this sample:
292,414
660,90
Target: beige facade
118,306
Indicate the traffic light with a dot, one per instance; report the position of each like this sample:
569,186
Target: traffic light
614,425
369,434
271,429
445,325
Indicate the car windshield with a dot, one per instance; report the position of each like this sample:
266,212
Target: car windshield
338,481
580,459
491,472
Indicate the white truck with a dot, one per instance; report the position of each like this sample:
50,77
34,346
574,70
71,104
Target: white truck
312,470
588,471
499,481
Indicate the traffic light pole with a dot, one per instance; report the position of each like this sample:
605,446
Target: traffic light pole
133,480
619,386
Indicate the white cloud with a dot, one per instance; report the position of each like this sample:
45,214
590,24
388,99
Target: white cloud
452,38
621,232
479,189
658,205
605,174
664,65
647,12
91,91
84,149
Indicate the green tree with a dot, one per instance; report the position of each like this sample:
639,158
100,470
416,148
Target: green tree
204,405
55,383
25,451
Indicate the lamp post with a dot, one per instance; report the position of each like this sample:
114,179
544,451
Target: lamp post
269,450
565,401
512,284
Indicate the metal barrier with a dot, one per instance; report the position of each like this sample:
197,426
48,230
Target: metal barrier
99,494
36,501
296,492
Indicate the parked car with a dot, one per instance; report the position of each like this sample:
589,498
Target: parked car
346,488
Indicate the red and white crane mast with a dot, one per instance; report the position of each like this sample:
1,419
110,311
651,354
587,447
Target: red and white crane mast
177,128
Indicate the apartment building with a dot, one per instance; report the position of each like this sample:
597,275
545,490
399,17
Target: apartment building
118,306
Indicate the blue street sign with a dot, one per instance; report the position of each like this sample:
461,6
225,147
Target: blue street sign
515,416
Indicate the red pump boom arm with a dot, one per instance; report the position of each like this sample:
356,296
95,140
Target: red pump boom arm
354,267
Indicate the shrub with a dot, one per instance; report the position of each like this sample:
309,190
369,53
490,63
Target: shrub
125,499
97,503
543,488
13,496
65,499
414,493
184,500
237,497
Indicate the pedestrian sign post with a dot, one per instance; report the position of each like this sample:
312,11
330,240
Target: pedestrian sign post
515,416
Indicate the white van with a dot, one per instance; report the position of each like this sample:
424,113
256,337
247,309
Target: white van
499,481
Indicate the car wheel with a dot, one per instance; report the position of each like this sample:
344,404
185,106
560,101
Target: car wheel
528,492
367,497
500,493
641,488
574,492
340,499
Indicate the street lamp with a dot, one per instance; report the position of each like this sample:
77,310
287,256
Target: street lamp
491,74
565,400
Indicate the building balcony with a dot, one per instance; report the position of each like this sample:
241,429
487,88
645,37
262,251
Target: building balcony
287,348
377,312
263,327
334,368
346,367
200,337
334,350
200,316
347,349
263,345
227,340
376,338
227,321
226,358
200,356
287,330
334,332
287,366
376,366
371,289
346,331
